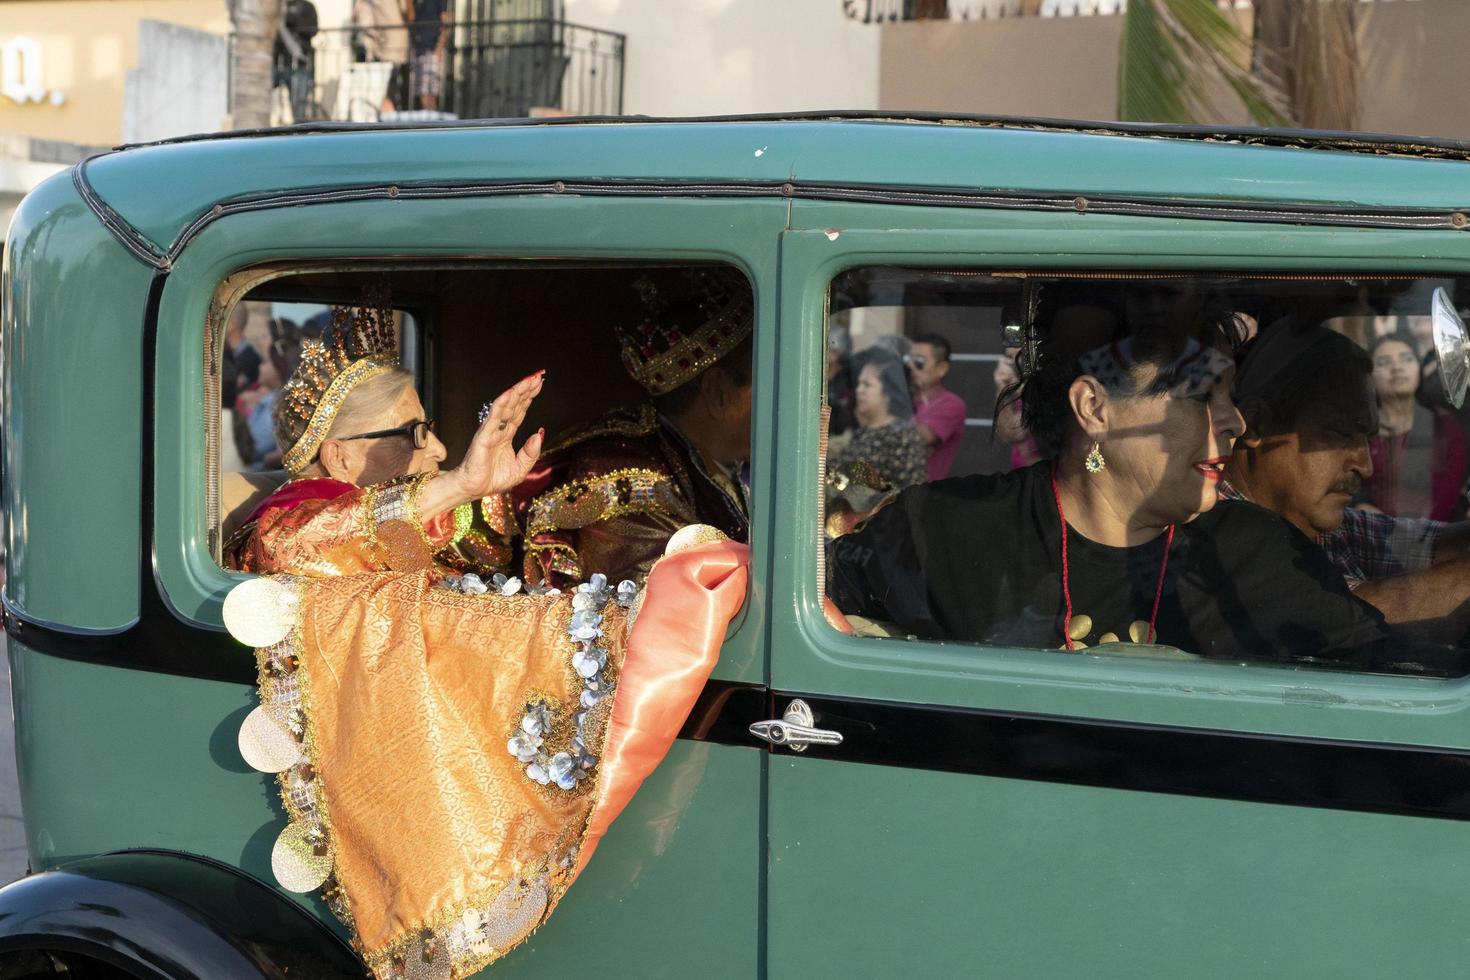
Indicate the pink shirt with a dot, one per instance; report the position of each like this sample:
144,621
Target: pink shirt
943,415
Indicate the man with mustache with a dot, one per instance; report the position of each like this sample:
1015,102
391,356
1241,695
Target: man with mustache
1308,401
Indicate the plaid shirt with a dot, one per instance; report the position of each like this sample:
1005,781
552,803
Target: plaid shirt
1371,546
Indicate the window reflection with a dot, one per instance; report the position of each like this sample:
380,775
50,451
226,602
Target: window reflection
1245,468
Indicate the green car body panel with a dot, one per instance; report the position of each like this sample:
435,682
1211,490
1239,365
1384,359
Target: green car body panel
732,861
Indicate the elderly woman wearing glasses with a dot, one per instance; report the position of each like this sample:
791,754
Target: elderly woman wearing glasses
367,492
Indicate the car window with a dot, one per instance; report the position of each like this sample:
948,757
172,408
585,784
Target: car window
646,405
262,347
1180,465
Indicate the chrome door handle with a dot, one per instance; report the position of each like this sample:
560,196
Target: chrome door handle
795,730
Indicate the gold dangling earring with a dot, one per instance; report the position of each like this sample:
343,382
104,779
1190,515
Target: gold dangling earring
1094,461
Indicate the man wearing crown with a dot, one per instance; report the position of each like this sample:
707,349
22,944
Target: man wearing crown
368,493
607,497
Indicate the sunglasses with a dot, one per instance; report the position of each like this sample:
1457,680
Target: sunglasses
915,360
417,431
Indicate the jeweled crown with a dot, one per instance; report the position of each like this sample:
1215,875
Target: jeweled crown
361,342
689,321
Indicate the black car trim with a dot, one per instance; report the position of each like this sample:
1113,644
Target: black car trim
1312,772
129,237
1325,215
1327,140
1323,773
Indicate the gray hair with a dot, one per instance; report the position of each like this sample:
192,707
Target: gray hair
363,406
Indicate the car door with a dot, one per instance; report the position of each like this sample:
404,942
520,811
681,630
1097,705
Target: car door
680,867
1021,813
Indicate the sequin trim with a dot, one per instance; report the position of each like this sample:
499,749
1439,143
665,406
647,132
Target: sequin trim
620,422
579,503
304,451
456,942
284,692
554,740
464,516
684,361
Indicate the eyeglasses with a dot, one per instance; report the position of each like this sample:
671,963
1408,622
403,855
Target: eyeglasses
915,360
417,431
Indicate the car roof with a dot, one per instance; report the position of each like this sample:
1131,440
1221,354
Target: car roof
1314,139
161,190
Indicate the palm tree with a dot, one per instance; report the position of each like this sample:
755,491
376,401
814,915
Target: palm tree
255,22
1301,68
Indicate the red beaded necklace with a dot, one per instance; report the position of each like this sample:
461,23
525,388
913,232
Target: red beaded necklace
1066,584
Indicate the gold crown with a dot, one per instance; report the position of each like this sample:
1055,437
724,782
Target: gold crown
360,343
689,322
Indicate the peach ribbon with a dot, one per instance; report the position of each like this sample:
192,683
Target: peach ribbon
692,597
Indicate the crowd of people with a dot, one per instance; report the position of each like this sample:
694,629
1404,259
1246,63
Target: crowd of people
1173,478
1190,475
261,352
890,412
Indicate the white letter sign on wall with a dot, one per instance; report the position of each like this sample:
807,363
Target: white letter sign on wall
20,72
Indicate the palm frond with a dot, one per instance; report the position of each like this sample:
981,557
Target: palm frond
1171,54
1311,48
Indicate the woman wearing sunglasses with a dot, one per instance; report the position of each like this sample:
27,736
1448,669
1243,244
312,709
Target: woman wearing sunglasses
367,492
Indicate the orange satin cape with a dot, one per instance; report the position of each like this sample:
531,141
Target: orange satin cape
444,854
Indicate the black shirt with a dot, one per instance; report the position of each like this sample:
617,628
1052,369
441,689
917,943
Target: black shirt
978,559
428,24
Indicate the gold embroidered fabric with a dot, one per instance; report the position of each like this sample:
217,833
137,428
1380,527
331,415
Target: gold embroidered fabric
606,499
444,855
361,530
321,536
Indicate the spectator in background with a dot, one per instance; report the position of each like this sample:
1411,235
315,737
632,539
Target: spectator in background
1419,452
380,33
939,414
431,20
886,439
229,454
244,353
1009,427
292,64
839,380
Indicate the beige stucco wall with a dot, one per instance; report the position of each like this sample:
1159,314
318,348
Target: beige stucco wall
1060,67
705,57
1416,77
87,46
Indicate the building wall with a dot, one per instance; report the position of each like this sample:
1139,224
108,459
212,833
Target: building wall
1058,67
87,48
1416,77
710,57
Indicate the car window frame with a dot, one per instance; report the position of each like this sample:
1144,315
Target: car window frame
813,656
508,230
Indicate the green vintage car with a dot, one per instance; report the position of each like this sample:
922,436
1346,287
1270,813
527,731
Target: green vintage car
989,811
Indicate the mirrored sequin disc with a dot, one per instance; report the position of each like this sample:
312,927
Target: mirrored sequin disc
515,912
266,744
295,862
691,536
259,612
415,967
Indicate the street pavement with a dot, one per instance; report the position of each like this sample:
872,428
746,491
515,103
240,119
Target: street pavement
12,831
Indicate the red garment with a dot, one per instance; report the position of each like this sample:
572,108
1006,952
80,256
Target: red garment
296,491
944,415
1399,485
315,527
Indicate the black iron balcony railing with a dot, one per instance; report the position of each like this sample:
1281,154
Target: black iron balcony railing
474,70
